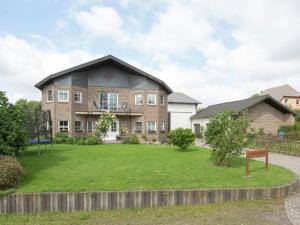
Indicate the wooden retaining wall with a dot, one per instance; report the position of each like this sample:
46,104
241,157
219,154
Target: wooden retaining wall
86,201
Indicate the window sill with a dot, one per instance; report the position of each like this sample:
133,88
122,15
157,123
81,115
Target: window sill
151,132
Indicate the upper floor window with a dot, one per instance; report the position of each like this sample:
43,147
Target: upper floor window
138,99
162,126
108,101
78,125
151,99
63,95
78,96
63,126
151,126
138,126
49,96
162,100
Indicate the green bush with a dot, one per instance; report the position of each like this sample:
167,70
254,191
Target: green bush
91,140
11,172
154,139
80,141
181,137
61,138
144,137
134,139
126,140
290,128
70,140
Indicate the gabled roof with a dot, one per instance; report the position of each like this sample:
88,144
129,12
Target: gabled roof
101,61
179,97
240,106
281,91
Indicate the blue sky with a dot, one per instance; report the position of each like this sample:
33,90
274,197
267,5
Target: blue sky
212,50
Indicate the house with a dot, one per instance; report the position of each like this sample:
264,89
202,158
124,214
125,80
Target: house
263,111
180,108
78,95
285,94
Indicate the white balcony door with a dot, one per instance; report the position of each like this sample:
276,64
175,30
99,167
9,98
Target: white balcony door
113,131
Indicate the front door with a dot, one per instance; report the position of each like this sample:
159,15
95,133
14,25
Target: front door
113,130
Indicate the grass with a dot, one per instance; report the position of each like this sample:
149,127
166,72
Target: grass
132,167
230,213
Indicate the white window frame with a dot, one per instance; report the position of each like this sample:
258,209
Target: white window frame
298,101
136,126
59,127
81,126
151,131
162,126
65,91
87,126
108,100
135,99
48,95
162,97
148,95
111,127
80,97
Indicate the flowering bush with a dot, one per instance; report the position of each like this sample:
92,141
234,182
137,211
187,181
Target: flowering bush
123,130
102,125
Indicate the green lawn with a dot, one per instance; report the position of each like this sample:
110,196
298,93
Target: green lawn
131,167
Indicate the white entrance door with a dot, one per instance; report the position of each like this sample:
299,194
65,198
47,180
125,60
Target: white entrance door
113,130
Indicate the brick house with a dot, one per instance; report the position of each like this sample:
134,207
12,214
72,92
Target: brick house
263,111
77,96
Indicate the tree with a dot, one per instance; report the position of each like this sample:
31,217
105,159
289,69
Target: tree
226,134
181,137
13,137
103,124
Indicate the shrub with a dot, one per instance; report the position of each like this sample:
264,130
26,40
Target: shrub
226,134
61,138
11,172
134,139
80,141
70,140
181,137
154,139
290,128
126,140
144,137
91,140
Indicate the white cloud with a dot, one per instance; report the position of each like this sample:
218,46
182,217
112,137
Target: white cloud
23,64
102,21
61,24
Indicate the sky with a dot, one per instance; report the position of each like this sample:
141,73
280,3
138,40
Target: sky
214,51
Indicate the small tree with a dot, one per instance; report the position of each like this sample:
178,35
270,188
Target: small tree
103,124
181,137
226,133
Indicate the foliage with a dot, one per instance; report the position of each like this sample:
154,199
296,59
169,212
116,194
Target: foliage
71,140
144,137
181,137
257,131
11,172
226,134
13,138
91,140
103,124
61,138
288,129
80,141
297,118
154,139
123,130
134,139
126,140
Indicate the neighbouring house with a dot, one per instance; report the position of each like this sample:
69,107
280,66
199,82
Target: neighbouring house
78,95
263,111
180,108
285,94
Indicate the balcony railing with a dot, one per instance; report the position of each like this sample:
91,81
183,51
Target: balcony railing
104,106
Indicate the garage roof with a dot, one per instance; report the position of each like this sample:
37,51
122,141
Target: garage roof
179,97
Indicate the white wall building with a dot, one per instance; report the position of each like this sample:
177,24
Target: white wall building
181,107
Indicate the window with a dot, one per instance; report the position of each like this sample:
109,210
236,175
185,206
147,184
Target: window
162,126
113,126
108,101
78,97
63,126
49,96
151,126
151,99
138,99
89,126
78,126
297,101
285,101
162,100
63,95
138,126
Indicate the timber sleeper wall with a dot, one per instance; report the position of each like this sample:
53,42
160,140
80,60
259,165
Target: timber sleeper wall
86,201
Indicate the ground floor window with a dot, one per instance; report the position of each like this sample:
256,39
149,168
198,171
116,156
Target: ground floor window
78,125
113,126
63,126
151,126
162,126
89,126
138,126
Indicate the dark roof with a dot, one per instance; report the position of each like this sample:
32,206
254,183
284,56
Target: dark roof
241,105
281,91
179,97
98,62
